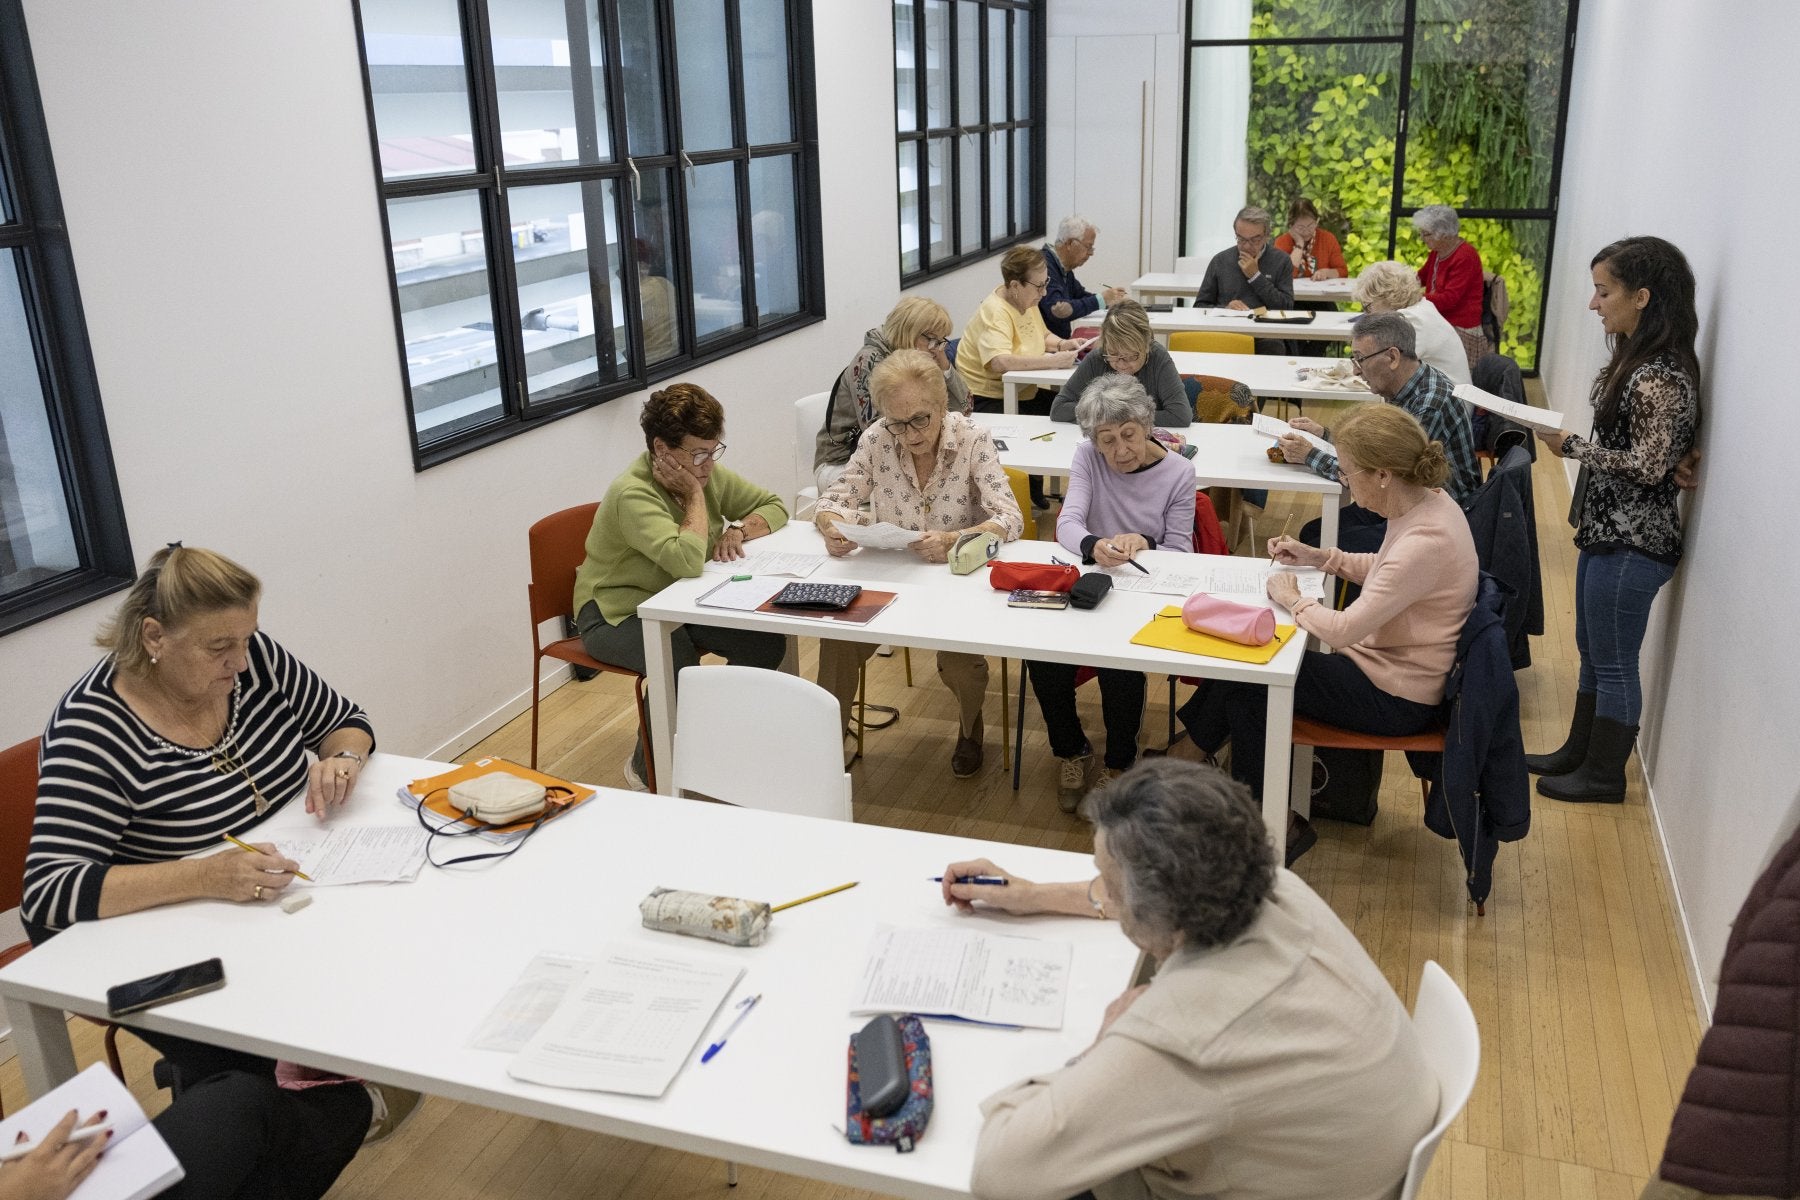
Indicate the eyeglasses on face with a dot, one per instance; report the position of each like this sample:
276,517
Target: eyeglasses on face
1258,240
1357,360
1115,357
700,456
933,342
918,423
1345,476
1042,285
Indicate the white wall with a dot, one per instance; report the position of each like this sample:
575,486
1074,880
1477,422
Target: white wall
214,162
1676,128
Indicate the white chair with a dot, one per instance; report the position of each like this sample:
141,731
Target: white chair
1192,264
760,739
809,416
1446,1027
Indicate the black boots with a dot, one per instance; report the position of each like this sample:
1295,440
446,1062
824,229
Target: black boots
1600,779
1573,751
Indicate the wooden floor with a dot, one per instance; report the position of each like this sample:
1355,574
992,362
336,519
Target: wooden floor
1587,1024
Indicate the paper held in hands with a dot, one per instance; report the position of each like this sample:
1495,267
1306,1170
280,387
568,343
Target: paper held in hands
1274,427
1524,414
883,535
989,978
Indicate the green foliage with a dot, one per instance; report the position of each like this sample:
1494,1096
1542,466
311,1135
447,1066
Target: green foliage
1323,120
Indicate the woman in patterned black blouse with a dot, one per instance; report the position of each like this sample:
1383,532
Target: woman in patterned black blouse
1628,528
196,725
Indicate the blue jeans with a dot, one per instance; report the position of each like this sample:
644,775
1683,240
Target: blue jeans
1612,608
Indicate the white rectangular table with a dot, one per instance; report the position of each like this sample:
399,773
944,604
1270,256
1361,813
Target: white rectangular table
1224,456
1183,285
1324,327
935,610
389,982
1268,376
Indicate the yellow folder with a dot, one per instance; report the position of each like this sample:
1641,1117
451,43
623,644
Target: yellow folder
1166,632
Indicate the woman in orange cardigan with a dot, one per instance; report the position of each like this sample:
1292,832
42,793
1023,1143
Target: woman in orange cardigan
1314,251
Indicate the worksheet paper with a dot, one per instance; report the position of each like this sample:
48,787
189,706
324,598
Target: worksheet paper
355,854
986,977
137,1163
1274,427
743,594
528,1003
1524,414
629,1025
1224,580
769,562
883,535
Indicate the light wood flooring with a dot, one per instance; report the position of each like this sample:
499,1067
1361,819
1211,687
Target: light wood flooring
1575,973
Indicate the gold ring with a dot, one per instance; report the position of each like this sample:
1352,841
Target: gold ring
259,891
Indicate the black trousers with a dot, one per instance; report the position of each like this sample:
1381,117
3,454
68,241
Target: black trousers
241,1136
1121,707
1331,688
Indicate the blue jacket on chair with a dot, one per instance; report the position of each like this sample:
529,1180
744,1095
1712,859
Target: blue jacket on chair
1504,526
1480,793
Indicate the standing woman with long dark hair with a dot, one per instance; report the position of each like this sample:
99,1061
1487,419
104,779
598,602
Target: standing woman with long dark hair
1628,529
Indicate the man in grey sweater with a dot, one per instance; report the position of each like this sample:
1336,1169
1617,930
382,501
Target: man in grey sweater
1252,274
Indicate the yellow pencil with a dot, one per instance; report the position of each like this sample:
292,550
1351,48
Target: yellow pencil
842,887
249,849
1044,437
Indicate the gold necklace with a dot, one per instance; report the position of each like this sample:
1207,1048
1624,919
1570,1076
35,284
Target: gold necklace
227,759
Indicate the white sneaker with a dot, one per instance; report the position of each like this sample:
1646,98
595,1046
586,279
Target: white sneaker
1071,781
633,780
391,1108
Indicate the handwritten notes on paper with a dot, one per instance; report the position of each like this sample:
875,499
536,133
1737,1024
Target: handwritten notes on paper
360,854
984,977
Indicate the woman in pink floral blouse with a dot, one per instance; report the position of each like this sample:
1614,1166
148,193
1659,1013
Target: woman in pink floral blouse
919,467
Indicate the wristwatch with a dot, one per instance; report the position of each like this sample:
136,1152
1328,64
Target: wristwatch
733,525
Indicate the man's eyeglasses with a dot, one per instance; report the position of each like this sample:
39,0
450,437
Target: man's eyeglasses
1357,360
1249,242
917,423
700,456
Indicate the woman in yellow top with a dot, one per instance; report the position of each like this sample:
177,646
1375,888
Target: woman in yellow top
670,511
1007,333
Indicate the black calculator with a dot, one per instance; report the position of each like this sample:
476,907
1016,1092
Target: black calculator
823,597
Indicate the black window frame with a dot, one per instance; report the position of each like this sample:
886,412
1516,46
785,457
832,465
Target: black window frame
491,180
1407,39
39,236
918,141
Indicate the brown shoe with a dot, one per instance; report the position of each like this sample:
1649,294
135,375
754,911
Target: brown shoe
965,760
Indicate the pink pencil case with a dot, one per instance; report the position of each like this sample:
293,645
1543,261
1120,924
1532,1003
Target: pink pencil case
1248,625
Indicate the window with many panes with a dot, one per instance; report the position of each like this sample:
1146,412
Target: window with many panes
62,526
968,105
582,196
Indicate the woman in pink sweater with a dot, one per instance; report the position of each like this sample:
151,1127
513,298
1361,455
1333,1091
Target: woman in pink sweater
1395,645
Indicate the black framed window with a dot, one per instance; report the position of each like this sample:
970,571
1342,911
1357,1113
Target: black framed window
1374,109
968,108
62,525
583,196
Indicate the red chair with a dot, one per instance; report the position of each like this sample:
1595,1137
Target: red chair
558,547
18,805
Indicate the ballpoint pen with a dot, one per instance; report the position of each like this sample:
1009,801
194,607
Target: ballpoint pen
247,848
80,1133
981,880
1132,561
744,1007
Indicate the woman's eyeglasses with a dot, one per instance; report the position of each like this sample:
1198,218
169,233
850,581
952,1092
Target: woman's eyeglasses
700,456
917,423
934,343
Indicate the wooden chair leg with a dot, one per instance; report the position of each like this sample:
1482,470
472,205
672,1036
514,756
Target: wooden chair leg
906,655
862,705
111,1042
534,711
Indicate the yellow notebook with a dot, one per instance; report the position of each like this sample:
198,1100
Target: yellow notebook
1166,632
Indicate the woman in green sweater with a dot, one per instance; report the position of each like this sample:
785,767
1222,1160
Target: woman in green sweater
671,510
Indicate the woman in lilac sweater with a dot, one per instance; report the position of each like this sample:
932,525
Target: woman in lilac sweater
1126,494
1396,643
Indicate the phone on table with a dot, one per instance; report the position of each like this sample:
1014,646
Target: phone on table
1027,598
162,988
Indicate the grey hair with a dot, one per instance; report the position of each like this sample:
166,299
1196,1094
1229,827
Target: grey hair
1436,220
1194,856
1250,214
1387,329
1073,228
1390,286
1114,399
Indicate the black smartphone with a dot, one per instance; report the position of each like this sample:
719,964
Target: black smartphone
1000,445
153,990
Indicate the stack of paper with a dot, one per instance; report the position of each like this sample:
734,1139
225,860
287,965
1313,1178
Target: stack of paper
1275,427
985,977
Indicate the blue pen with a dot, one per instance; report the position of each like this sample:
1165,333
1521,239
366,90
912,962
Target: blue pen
981,880
744,1007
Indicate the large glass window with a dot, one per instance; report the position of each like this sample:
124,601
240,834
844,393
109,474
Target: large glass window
1373,109
62,527
968,91
584,195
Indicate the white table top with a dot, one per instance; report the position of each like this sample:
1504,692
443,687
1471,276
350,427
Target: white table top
391,982
1272,376
936,610
1324,327
1224,456
1186,284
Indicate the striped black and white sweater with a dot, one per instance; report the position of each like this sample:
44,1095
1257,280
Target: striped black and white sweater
112,792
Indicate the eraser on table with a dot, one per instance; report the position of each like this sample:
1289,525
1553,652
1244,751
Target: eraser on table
296,902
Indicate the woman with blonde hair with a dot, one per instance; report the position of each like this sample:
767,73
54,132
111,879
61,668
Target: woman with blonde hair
1396,642
918,322
1394,287
937,472
1127,347
197,724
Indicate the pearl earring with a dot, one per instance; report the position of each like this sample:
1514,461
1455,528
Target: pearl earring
153,660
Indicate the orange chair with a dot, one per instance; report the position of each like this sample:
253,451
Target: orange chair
1308,732
1212,343
18,805
558,546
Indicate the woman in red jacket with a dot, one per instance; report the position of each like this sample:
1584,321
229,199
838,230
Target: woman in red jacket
1452,276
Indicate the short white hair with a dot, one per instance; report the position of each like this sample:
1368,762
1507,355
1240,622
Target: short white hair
1073,228
1436,220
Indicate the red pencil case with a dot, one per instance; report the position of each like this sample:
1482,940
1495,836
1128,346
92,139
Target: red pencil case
1035,577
